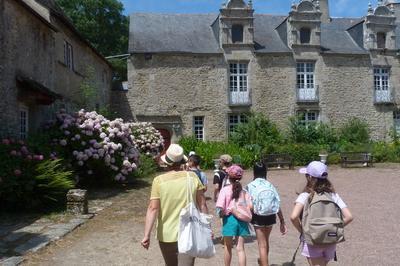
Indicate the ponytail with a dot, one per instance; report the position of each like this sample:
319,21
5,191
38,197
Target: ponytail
236,188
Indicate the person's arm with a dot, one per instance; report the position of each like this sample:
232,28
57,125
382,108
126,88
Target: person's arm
283,227
295,216
216,192
151,216
347,216
201,201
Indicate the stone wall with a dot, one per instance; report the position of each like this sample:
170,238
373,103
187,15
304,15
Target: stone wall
27,48
197,85
33,45
88,67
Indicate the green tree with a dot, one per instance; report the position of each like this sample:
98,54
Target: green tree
102,23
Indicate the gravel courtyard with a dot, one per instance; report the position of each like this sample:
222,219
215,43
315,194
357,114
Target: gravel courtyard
113,237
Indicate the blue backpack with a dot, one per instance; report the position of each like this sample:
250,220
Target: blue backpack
265,198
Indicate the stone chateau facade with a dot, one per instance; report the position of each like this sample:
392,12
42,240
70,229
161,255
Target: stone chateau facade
44,61
199,73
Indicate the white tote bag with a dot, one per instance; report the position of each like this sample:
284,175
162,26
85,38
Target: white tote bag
194,237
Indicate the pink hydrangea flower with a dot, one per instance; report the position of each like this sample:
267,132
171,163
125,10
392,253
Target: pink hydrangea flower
17,172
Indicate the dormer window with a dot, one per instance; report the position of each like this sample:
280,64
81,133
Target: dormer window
381,40
237,33
305,35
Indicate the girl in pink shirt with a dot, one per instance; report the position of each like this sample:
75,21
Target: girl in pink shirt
230,197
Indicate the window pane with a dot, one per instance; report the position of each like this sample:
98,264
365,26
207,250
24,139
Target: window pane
237,33
381,40
305,35
238,77
198,127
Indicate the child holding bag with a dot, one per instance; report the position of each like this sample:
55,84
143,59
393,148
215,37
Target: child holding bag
234,206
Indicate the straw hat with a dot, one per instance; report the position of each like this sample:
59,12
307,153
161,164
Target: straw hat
174,155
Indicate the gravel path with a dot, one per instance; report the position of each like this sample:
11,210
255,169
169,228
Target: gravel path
113,237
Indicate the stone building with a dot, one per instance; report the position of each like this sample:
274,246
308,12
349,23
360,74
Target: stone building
199,73
44,61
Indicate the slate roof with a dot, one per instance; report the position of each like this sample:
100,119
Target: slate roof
172,33
193,33
336,39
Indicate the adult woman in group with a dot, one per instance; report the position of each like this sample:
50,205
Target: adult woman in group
317,183
266,202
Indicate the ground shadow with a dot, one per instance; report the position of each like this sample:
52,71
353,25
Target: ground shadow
219,240
113,190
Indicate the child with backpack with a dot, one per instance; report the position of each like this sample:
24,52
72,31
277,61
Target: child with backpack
234,206
220,176
320,215
194,166
266,205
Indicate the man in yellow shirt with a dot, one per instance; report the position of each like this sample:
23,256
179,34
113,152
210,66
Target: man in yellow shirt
168,196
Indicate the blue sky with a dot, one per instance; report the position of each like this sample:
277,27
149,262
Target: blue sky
338,8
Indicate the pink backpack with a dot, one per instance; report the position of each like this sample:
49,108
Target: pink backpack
240,208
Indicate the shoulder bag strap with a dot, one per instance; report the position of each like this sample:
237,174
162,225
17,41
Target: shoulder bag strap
189,187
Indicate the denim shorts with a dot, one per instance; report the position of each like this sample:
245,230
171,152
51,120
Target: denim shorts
234,227
326,252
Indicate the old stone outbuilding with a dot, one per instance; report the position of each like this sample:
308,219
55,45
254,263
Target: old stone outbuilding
44,61
199,73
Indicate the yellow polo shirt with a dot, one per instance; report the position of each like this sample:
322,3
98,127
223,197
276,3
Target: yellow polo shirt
171,190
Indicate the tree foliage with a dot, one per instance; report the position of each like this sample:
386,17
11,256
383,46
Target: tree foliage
101,22
104,25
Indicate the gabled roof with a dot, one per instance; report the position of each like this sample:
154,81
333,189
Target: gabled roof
185,33
193,33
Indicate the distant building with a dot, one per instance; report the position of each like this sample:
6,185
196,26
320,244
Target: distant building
44,61
199,73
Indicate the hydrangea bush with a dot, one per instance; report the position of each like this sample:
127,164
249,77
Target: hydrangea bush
99,149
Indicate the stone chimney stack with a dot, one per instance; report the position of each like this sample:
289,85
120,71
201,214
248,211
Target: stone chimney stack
324,8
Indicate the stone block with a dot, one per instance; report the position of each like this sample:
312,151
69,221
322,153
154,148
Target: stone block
34,244
77,202
12,261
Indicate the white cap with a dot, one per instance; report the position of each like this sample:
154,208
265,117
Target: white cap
315,169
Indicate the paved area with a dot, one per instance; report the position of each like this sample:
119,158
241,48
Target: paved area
28,233
113,237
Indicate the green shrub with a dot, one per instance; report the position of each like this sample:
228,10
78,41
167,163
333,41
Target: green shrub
51,183
146,167
333,158
209,151
257,133
28,180
386,152
316,133
302,153
354,131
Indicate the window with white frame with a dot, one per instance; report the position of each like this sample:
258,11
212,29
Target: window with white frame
381,78
238,80
381,84
198,127
236,119
23,122
68,55
308,117
396,121
305,75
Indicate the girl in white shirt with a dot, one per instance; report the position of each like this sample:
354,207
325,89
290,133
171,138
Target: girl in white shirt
317,182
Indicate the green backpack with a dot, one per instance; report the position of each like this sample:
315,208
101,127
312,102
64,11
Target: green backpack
322,221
